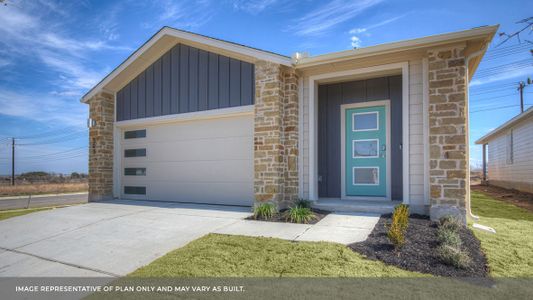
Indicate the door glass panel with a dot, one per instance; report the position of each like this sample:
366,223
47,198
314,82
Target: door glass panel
365,121
365,148
366,176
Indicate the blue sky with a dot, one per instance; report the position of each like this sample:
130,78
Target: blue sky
52,52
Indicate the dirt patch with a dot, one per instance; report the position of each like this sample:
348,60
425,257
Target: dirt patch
280,217
44,188
520,199
419,252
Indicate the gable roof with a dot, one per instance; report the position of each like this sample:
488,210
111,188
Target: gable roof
167,37
505,126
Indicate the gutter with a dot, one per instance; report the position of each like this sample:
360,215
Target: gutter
476,54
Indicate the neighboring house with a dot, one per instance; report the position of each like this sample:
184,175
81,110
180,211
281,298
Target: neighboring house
510,153
196,119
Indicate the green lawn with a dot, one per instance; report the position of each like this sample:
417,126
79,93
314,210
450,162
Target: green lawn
6,214
237,256
510,250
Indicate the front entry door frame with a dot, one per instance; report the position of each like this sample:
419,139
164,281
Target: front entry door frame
386,104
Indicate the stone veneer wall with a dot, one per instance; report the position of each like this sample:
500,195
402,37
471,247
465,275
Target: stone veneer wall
101,110
448,132
275,134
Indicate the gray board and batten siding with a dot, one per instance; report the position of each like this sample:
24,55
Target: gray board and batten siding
330,98
187,79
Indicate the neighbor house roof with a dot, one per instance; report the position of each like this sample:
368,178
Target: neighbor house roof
167,37
505,126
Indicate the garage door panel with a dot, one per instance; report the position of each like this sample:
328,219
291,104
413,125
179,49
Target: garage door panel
201,149
207,161
225,127
202,171
217,193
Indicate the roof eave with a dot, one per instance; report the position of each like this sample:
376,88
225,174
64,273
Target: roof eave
429,41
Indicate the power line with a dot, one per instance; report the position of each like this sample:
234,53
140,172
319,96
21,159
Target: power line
497,108
55,154
58,131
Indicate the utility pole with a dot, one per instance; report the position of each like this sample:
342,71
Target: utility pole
521,86
13,161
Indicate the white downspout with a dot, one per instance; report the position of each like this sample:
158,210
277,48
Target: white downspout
467,112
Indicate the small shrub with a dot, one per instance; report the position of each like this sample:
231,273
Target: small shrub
451,223
264,211
398,227
401,214
298,214
448,237
453,256
396,236
303,203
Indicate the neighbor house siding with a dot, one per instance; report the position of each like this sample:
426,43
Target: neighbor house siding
416,142
519,173
186,79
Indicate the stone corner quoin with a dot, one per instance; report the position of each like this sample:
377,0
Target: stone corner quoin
448,155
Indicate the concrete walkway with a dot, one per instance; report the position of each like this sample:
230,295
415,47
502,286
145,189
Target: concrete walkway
344,228
115,238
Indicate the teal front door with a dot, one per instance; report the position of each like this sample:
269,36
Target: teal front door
365,152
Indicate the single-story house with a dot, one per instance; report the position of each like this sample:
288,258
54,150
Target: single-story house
192,118
510,156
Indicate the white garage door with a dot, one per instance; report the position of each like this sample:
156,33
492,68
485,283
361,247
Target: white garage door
205,161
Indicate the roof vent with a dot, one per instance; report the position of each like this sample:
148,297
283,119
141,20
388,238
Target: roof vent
297,56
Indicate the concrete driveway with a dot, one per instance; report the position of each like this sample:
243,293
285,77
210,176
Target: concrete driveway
104,239
115,238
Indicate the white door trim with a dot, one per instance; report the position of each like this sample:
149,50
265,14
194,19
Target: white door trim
343,109
403,67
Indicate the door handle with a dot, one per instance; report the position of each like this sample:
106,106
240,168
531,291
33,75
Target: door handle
383,149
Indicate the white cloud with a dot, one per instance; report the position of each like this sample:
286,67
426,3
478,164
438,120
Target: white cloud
329,15
74,76
253,6
183,15
504,74
29,34
356,42
376,25
4,62
30,106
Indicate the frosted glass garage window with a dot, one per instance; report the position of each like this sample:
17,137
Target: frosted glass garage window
365,148
365,121
365,175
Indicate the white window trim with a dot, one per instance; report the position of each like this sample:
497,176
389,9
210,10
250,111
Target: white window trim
365,140
364,184
313,121
365,113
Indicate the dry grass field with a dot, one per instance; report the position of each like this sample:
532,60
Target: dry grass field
43,188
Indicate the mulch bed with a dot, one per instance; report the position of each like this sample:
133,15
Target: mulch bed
518,198
280,217
419,252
